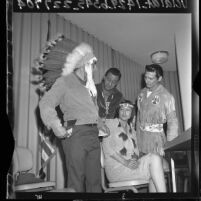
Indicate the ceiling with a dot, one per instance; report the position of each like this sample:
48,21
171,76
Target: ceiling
135,35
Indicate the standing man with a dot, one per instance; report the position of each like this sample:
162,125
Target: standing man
75,92
156,106
108,96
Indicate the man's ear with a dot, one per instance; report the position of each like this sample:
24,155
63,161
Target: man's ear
160,78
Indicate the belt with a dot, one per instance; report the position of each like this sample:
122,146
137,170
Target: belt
152,128
91,125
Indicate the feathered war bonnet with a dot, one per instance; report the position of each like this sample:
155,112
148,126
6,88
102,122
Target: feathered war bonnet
61,57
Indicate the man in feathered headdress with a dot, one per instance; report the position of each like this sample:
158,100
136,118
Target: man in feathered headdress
75,92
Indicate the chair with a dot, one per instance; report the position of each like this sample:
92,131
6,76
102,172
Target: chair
182,169
25,181
132,185
179,173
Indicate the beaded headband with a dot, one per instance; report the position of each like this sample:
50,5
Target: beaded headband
126,105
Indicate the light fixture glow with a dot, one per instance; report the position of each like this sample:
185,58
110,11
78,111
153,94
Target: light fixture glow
159,57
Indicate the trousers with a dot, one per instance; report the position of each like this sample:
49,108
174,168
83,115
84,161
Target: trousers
82,157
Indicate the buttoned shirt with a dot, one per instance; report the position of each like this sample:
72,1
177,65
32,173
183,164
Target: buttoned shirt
107,109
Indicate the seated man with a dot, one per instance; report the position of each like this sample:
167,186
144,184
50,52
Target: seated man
122,161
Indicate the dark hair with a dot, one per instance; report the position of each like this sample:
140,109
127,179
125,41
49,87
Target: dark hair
155,68
114,71
133,113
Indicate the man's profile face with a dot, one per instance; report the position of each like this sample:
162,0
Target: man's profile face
110,81
151,80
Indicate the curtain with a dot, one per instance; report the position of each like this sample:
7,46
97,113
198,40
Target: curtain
29,37
130,83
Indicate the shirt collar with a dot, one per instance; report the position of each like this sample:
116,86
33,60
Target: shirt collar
79,79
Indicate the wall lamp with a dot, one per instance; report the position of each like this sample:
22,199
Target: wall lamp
159,57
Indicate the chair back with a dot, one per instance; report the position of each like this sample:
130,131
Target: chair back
27,182
22,160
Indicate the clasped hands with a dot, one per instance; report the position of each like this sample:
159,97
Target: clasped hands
160,151
132,163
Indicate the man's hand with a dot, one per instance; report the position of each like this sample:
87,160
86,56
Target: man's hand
58,129
160,151
105,129
102,127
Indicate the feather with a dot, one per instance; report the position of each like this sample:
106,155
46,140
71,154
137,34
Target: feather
61,57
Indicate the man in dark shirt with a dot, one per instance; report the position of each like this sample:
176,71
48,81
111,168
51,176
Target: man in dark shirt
108,96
